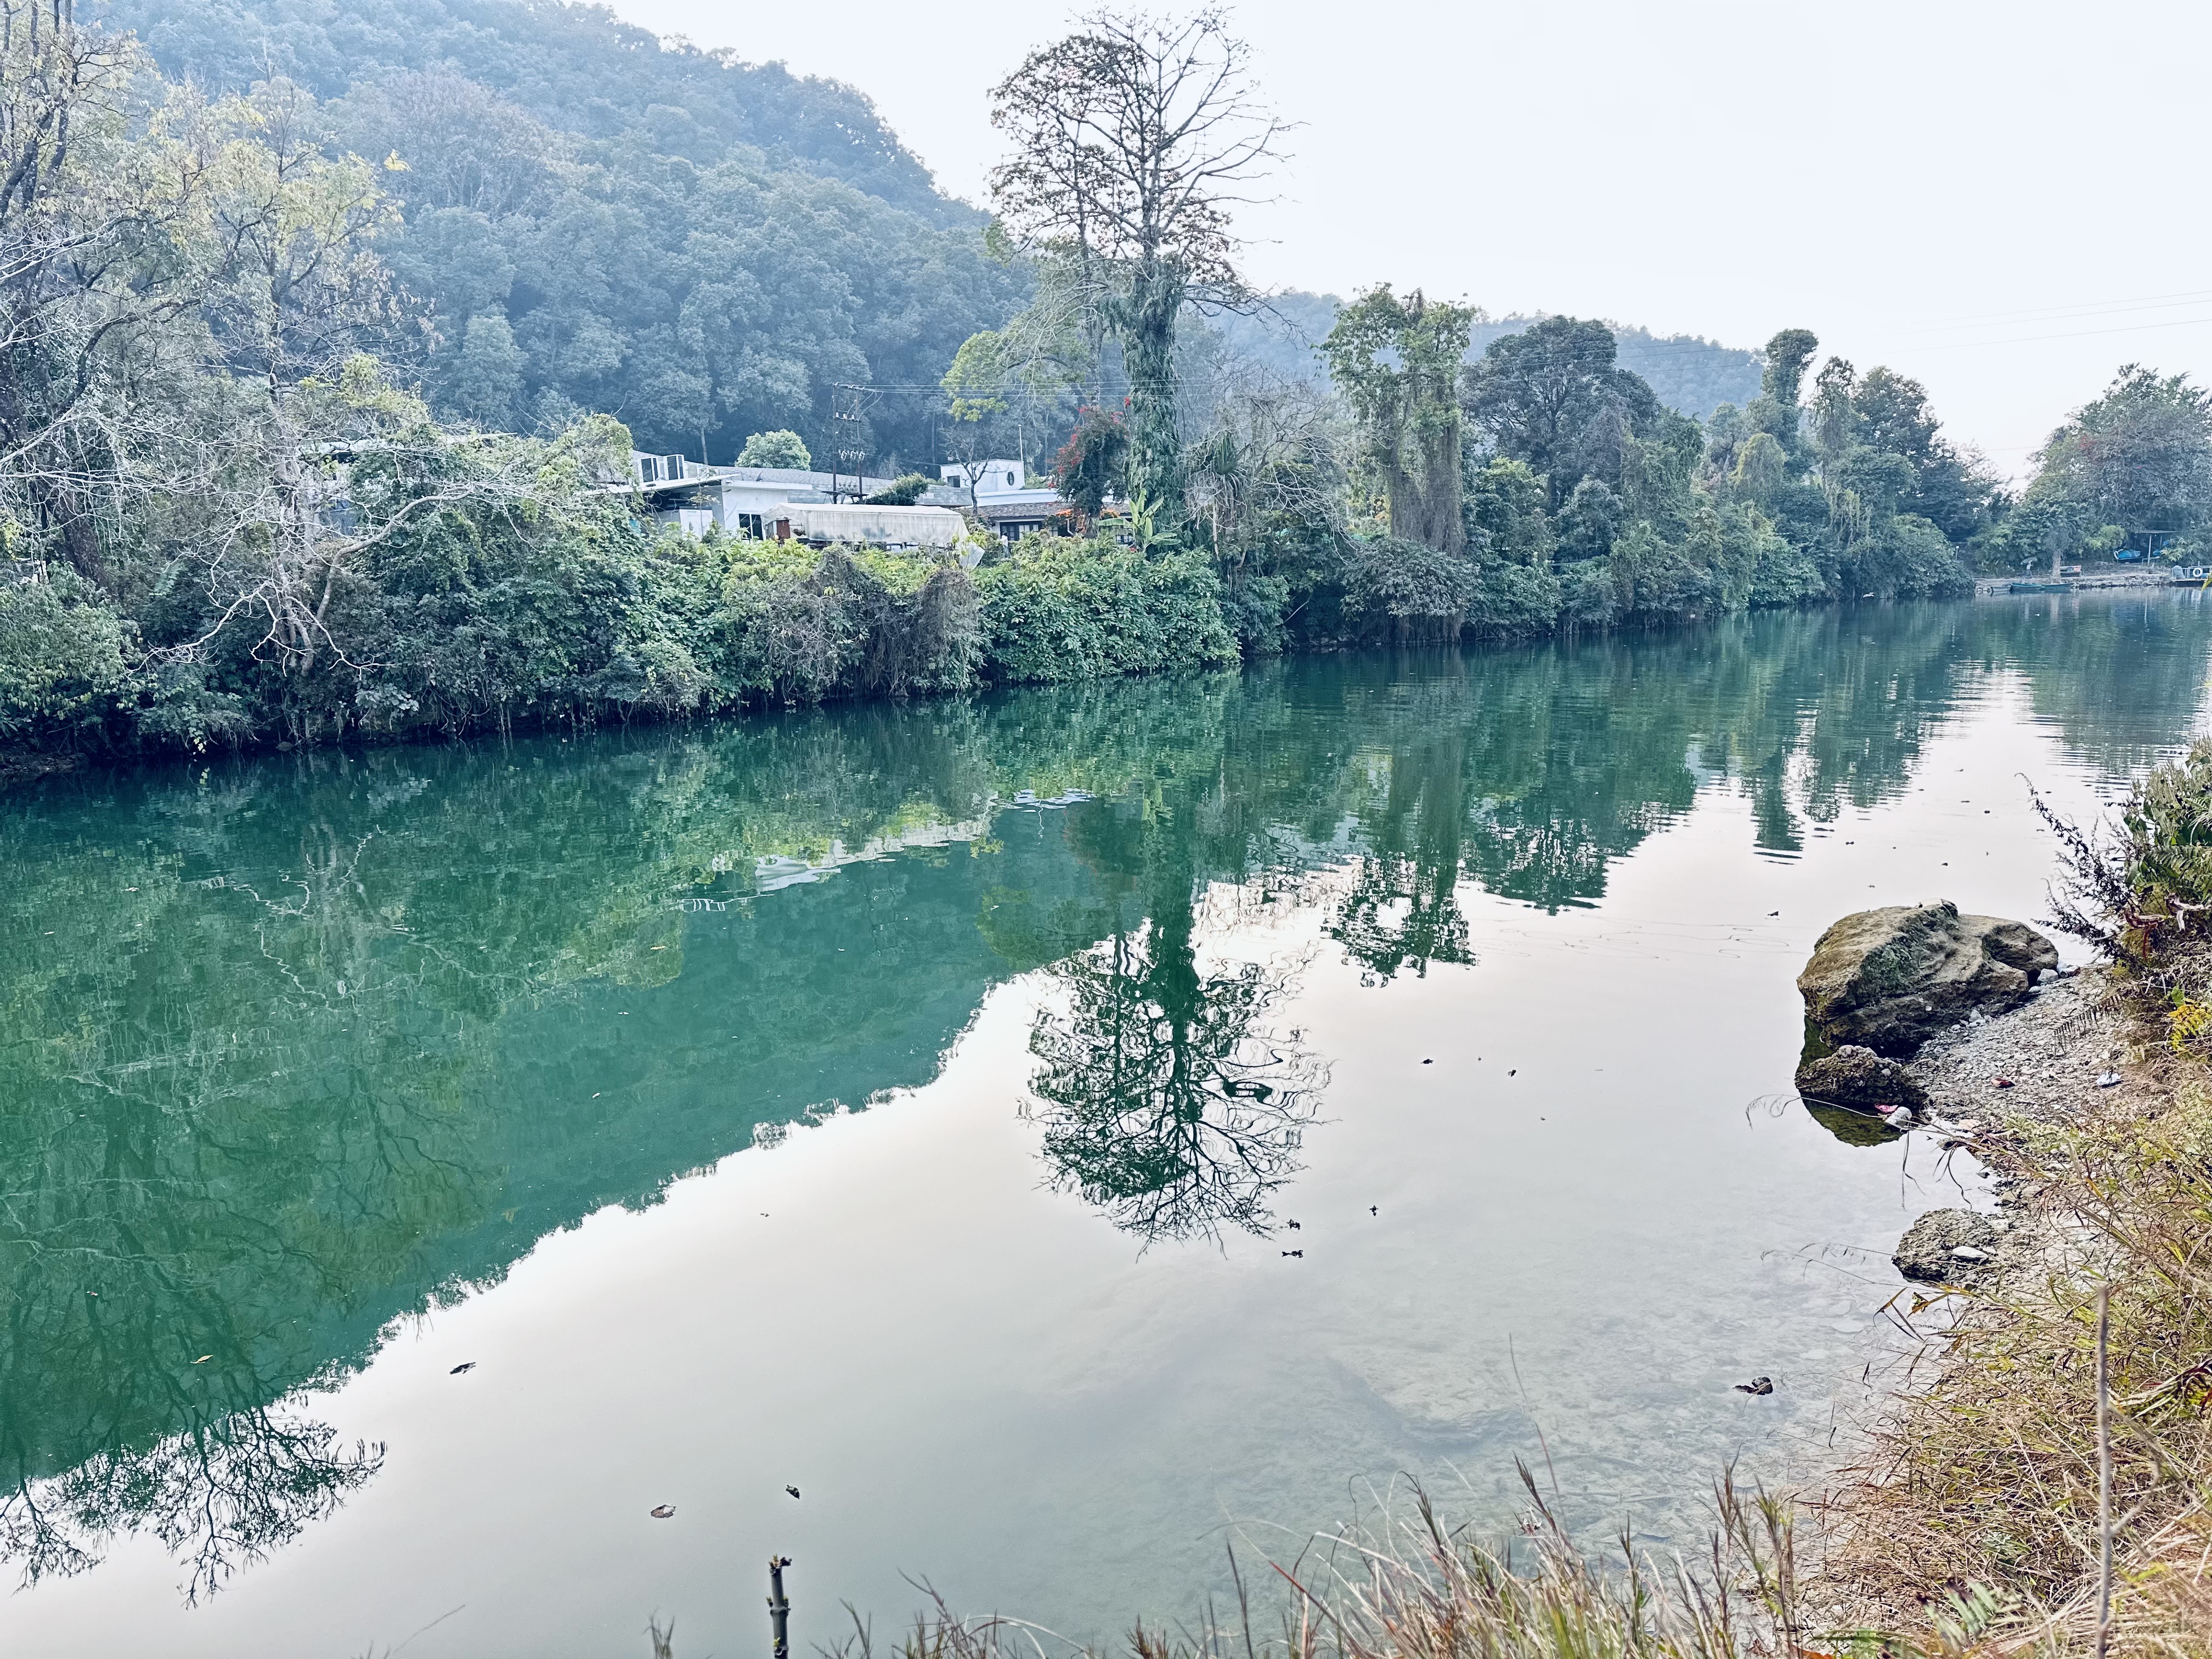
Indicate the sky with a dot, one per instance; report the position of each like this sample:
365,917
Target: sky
2005,201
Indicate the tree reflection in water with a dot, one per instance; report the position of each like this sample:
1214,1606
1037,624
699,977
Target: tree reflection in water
218,1498
1167,1098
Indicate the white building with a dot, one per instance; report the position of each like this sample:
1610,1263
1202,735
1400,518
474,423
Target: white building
782,503
992,477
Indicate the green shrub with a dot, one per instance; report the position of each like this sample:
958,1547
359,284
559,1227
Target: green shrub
63,666
1397,591
1514,601
1061,609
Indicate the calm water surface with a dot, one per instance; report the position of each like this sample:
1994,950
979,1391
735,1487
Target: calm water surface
793,1102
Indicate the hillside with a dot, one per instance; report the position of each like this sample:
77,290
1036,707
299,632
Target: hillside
596,220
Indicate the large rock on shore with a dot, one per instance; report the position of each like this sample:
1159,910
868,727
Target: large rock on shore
1860,1080
1888,980
1945,1246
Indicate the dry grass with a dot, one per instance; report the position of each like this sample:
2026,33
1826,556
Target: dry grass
1416,1591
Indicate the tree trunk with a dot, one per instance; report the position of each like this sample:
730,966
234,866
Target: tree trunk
1148,335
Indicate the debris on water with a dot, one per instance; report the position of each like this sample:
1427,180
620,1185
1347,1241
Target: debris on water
1514,1072
662,1511
1292,1225
1757,1385
465,1365
2004,1083
1774,913
793,1490
202,1359
1428,1062
2107,1080
1371,1210
1299,1253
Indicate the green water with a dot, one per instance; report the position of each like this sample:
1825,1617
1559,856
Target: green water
791,1101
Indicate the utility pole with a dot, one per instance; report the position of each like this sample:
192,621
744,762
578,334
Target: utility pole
845,427
779,1610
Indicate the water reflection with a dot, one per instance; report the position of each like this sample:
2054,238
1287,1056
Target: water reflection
218,1496
299,1048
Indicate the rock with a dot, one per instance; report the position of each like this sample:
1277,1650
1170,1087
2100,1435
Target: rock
1943,1243
1888,980
1860,1080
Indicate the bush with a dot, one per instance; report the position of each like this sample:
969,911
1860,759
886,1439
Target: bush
1397,591
63,671
1909,558
1061,609
784,449
1514,601
904,491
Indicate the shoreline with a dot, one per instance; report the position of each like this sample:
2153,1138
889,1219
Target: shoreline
1978,1474
21,767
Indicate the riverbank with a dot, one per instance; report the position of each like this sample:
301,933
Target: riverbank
2098,581
1977,1504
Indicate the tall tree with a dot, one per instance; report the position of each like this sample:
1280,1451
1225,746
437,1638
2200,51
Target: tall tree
1398,363
1553,397
1133,140
2139,457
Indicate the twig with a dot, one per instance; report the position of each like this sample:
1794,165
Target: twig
2103,1471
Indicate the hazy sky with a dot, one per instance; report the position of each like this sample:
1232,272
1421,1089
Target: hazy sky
2007,201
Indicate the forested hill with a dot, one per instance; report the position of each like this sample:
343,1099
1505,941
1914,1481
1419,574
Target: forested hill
594,220
579,69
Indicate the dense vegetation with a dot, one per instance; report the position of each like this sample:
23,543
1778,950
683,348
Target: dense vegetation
319,387
588,218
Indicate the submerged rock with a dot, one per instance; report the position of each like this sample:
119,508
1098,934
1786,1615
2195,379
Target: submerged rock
1945,1245
1888,980
1860,1080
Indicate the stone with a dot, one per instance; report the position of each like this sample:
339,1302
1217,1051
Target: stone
1888,980
1944,1244
1860,1079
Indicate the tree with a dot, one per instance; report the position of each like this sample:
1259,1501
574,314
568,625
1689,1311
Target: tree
2139,457
1397,362
1552,396
972,387
97,229
1091,462
1133,140
780,449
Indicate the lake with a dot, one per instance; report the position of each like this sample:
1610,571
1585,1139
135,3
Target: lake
1064,1134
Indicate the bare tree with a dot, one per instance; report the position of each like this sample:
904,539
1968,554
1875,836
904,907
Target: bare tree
1134,139
93,227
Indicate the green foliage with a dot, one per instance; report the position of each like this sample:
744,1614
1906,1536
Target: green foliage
1553,397
778,449
1062,609
64,659
1397,362
2139,457
1092,464
703,244
904,491
1398,592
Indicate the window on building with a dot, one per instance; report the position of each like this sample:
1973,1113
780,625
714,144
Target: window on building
750,524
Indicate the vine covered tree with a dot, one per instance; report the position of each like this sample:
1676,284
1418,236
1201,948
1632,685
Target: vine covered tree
1133,139
1398,363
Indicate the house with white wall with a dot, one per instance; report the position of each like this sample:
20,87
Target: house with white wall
770,503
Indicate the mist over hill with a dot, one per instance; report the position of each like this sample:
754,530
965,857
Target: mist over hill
1691,374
